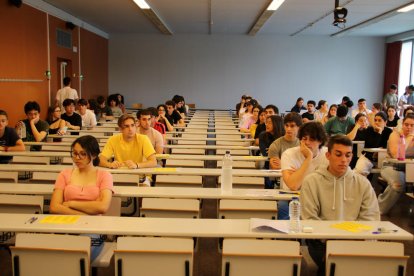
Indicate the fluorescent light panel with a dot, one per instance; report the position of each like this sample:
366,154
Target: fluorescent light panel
407,8
275,5
142,4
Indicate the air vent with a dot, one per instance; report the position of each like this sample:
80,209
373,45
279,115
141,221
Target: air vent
63,38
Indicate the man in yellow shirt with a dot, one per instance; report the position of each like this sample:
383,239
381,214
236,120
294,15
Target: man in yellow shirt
128,148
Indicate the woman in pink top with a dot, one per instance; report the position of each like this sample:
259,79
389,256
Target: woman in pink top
84,189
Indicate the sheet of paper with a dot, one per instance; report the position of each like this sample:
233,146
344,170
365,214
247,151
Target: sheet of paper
165,169
351,226
60,219
267,225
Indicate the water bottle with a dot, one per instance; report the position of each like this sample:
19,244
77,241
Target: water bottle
22,133
226,173
294,214
401,148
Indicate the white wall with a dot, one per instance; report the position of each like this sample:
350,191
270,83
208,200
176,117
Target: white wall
214,71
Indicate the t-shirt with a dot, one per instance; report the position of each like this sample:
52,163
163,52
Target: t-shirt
260,128
88,119
66,93
116,111
174,118
292,159
336,126
154,136
40,126
137,150
308,116
280,145
394,122
75,119
103,110
373,139
8,139
88,193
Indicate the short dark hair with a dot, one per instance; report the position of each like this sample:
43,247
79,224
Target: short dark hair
314,130
82,102
406,110
391,106
359,115
393,86
382,114
90,145
100,99
125,117
32,105
172,103
361,100
177,99
341,111
68,102
66,81
293,117
113,97
349,104
4,113
163,106
411,87
143,112
320,104
377,106
153,111
339,139
311,102
345,99
272,106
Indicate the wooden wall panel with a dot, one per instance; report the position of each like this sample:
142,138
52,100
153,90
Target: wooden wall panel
23,55
94,64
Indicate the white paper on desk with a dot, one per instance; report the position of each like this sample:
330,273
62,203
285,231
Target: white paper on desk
267,225
261,193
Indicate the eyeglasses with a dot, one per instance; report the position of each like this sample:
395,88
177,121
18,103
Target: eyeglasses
161,109
58,110
78,155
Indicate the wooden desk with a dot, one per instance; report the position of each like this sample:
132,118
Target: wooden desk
175,227
212,147
155,171
159,192
209,139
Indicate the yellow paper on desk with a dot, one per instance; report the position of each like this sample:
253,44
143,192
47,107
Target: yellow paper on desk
165,169
60,219
351,226
163,155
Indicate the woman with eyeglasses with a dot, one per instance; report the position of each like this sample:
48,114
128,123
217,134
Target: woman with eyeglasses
162,108
84,189
56,124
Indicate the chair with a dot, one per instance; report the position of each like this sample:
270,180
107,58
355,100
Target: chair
165,180
154,256
50,254
246,257
8,177
361,258
170,207
18,204
246,209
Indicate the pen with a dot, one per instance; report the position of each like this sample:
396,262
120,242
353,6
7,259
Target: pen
289,193
31,220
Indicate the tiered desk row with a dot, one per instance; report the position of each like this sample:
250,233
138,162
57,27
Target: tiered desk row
191,175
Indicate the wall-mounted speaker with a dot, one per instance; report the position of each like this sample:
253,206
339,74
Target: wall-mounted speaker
70,25
17,3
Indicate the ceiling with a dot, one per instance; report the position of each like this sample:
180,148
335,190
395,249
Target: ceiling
233,17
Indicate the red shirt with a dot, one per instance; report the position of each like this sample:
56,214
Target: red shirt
160,127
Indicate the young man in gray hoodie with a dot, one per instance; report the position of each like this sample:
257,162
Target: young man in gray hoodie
336,193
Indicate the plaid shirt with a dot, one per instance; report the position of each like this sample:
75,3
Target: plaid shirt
160,127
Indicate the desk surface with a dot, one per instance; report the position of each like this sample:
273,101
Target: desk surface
175,171
174,227
159,192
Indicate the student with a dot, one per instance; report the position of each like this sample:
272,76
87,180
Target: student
84,189
341,123
144,118
9,140
104,111
376,107
321,110
395,174
66,93
270,110
331,113
391,97
251,120
56,123
298,162
161,118
362,108
298,107
73,120
335,192
128,148
392,116
88,116
310,114
173,115
113,103
246,117
36,129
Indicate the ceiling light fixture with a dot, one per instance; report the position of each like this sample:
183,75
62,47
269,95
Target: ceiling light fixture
340,14
406,8
266,14
153,17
